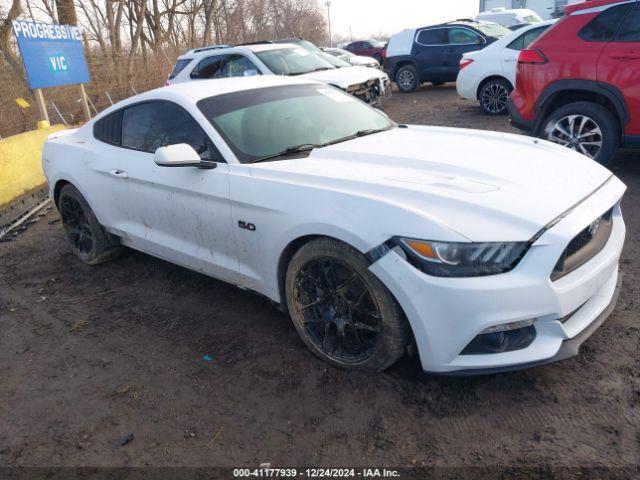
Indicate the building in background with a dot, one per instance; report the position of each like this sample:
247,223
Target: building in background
545,8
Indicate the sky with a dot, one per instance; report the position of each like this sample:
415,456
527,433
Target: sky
373,17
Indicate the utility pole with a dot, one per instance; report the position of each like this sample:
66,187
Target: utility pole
328,5
350,33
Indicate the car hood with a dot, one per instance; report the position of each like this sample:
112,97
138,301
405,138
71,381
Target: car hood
485,186
346,77
362,61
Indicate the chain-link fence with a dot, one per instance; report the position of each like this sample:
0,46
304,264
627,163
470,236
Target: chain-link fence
112,79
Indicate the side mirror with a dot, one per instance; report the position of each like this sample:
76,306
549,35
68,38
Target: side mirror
180,155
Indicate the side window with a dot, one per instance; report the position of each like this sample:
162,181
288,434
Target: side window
517,44
462,36
365,45
604,27
238,66
109,128
208,67
526,39
432,36
532,35
630,31
151,125
180,64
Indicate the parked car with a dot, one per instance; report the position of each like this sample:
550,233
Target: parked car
490,251
509,17
578,83
307,45
351,58
432,54
269,58
368,48
489,75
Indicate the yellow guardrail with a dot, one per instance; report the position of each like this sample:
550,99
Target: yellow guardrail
20,168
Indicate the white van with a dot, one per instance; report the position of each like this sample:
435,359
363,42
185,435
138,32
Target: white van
509,17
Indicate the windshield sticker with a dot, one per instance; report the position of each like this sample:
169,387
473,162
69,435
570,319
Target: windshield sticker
336,96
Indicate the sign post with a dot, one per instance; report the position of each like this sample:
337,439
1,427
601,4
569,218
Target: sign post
85,103
53,55
42,107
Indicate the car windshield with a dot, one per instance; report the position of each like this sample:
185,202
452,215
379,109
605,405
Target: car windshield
307,46
293,61
491,29
339,51
258,124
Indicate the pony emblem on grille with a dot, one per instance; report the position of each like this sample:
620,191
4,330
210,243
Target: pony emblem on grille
593,228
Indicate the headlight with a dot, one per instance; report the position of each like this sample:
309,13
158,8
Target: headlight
458,259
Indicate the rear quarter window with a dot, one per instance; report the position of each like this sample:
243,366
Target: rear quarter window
109,128
432,36
604,27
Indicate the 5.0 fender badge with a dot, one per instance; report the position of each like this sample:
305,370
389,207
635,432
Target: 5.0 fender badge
247,226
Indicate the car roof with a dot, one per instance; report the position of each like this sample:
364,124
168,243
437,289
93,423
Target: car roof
455,23
506,11
193,92
508,38
208,88
255,47
591,4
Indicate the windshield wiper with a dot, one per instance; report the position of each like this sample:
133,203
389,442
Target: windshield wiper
359,133
305,147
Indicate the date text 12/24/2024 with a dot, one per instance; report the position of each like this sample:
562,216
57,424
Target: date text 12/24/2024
315,473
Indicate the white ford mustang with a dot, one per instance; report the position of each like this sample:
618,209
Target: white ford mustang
487,251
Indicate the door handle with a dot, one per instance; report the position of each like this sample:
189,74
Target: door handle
117,173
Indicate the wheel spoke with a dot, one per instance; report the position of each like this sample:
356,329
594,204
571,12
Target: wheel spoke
364,326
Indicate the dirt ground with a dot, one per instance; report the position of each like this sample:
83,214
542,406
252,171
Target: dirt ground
91,354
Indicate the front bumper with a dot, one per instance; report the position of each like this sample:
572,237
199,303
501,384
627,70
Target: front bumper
446,314
372,91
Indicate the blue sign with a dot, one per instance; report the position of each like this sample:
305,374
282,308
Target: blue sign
52,54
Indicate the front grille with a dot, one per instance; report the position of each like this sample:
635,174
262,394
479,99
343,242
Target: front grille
584,246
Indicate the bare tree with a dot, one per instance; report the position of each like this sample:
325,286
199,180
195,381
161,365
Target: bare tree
5,35
66,12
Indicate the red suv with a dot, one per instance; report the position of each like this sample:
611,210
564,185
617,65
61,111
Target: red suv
579,84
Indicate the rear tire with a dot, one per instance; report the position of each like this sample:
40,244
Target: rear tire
89,241
586,127
407,79
342,312
493,97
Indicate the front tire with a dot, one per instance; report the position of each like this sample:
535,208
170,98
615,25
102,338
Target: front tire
407,79
342,312
89,241
493,96
586,127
